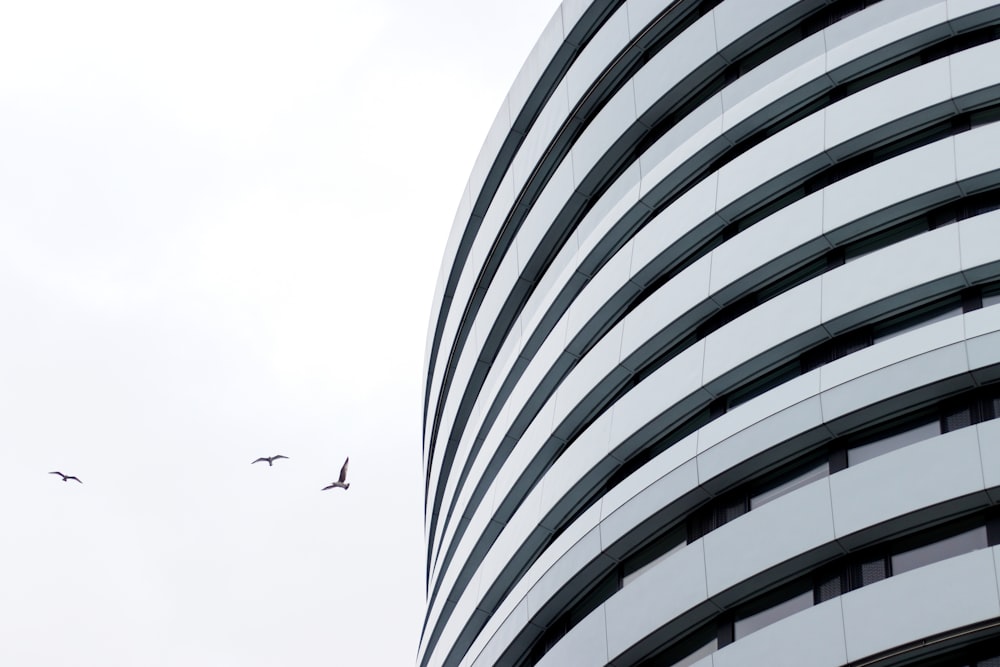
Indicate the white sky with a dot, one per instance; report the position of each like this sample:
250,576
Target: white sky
221,224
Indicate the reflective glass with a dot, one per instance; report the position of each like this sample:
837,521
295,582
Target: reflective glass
871,571
829,588
631,576
958,418
710,647
857,455
915,323
819,472
745,626
946,548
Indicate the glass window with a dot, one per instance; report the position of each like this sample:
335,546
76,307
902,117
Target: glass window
754,622
991,297
689,650
914,434
652,554
700,653
868,572
764,384
851,342
635,574
800,480
592,600
883,239
915,321
956,418
940,550
828,588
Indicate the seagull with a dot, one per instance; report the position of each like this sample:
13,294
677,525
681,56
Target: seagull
340,483
270,459
66,478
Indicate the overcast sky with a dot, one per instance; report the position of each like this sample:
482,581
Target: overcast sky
221,224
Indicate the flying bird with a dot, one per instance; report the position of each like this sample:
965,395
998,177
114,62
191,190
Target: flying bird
342,482
66,478
270,459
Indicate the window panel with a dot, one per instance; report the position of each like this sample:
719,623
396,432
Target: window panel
689,650
883,239
940,550
651,555
829,588
871,571
956,418
885,445
915,321
754,622
811,475
850,343
726,513
700,653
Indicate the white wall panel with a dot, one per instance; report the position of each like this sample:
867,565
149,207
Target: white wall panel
920,603
814,637
856,43
793,524
585,645
662,593
923,267
920,475
671,65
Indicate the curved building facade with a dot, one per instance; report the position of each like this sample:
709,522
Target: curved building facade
713,371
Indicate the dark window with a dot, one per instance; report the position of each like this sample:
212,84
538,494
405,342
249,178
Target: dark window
828,587
765,383
756,618
969,410
916,319
717,515
936,551
885,444
991,295
837,348
727,315
688,651
983,117
956,418
652,553
972,299
788,484
868,572
883,239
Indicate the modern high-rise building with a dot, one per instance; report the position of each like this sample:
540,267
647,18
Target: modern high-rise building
713,371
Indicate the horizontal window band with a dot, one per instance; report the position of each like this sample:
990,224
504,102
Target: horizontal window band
929,219
886,151
821,583
664,543
821,18
653,450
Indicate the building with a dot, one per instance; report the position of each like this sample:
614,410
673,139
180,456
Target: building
713,375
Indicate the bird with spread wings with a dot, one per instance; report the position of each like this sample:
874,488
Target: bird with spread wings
270,459
341,483
65,478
